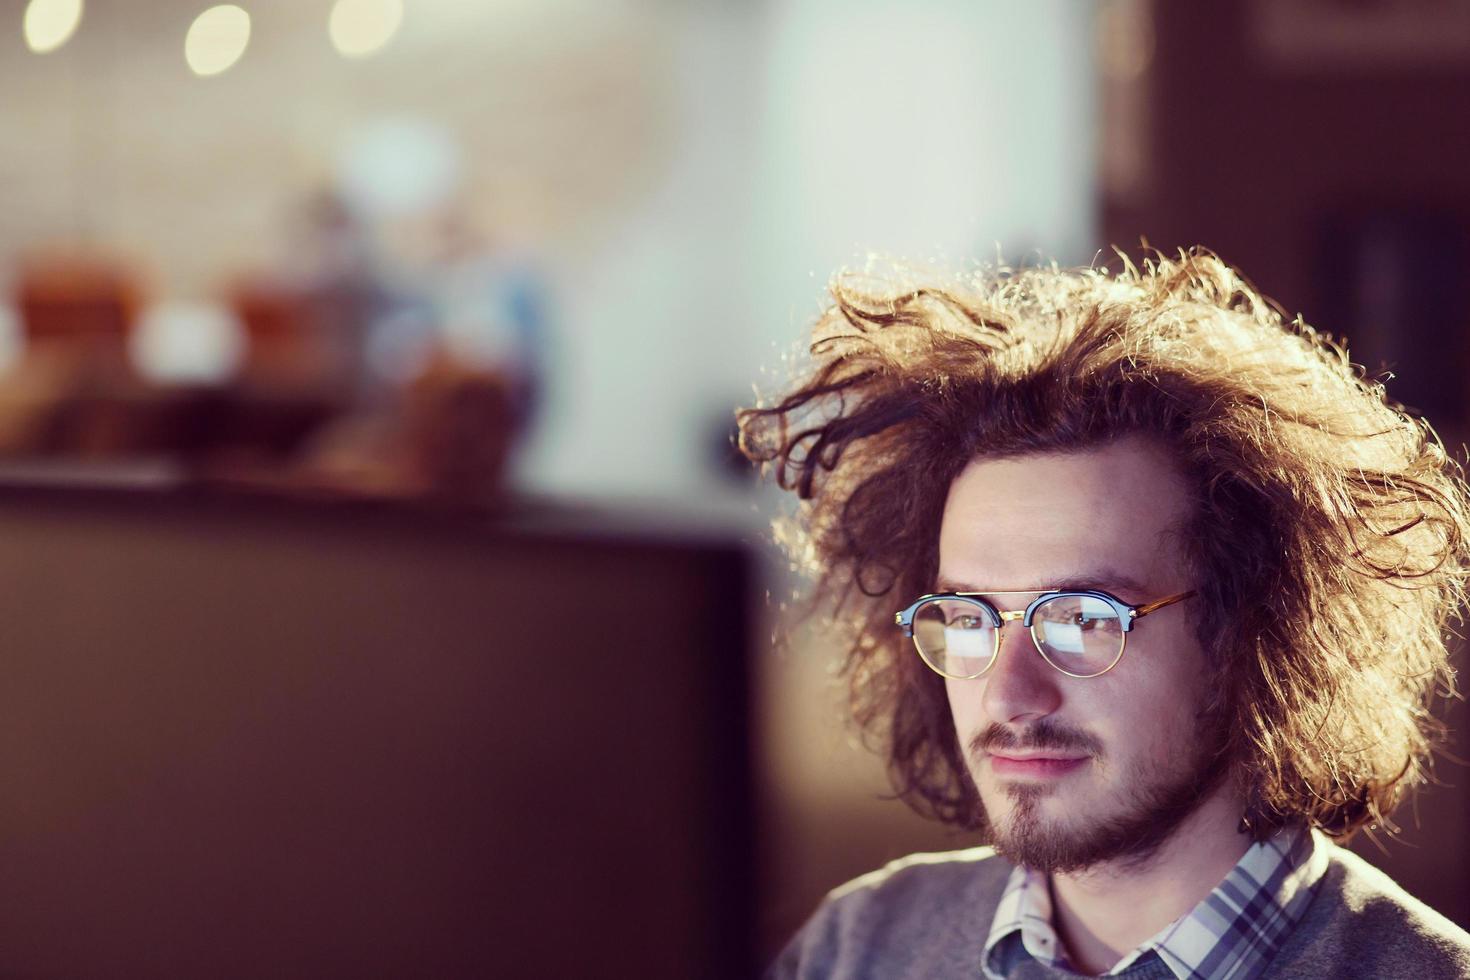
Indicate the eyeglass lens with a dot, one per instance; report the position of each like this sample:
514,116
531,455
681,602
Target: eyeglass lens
1079,635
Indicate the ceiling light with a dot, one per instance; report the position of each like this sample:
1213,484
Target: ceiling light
359,28
50,23
217,39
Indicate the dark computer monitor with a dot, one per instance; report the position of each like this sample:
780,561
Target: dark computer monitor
244,738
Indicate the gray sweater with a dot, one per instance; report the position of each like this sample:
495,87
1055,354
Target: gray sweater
929,919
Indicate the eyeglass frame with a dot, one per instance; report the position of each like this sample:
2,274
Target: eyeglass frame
1128,614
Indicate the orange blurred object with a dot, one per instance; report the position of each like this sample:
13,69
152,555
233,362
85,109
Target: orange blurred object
73,297
284,342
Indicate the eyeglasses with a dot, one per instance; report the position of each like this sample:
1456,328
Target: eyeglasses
1081,634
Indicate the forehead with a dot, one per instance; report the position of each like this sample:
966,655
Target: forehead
1034,521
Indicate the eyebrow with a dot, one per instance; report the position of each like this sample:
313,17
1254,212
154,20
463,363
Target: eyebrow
1104,579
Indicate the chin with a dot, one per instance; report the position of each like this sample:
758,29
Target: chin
1032,824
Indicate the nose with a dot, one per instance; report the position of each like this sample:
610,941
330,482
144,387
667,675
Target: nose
1020,686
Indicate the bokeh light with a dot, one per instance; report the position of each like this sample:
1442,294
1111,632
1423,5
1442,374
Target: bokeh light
186,342
398,166
359,28
50,23
217,39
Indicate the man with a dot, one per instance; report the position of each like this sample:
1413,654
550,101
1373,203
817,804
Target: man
1149,587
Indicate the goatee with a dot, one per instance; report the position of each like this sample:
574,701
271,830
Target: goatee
1127,835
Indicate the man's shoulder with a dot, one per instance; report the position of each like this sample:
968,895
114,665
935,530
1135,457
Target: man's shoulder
926,877
1363,918
912,915
1375,902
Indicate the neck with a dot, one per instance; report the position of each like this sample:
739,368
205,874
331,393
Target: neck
1105,911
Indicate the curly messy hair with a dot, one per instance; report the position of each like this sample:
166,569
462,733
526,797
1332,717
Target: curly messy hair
1327,531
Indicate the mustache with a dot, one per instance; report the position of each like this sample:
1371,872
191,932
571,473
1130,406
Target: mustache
1044,735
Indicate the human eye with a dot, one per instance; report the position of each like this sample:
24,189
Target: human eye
1088,618
1084,613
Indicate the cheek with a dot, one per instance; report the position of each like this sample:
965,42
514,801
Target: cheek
1157,702
1181,677
965,707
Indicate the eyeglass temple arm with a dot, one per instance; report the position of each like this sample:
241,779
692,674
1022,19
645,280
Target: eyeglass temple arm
1140,611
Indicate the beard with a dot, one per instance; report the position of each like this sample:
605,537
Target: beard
1155,801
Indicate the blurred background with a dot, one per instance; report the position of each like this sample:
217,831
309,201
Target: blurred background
383,593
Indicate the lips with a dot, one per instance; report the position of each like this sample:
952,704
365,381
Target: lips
1035,766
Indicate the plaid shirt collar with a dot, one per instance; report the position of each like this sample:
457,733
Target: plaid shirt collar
1233,933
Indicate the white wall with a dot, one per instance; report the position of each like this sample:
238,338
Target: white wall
810,134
